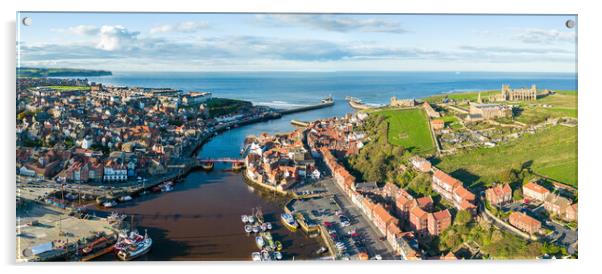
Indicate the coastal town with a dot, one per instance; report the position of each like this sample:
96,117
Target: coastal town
372,184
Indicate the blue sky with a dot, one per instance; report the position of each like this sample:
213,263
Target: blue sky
297,42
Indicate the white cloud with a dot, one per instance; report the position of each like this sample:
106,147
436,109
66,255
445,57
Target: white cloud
185,27
84,30
336,23
115,37
544,36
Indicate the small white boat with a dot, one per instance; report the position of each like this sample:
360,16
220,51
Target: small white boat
248,229
268,225
135,250
259,241
255,229
244,218
256,256
263,227
166,188
278,255
265,255
125,198
251,219
109,204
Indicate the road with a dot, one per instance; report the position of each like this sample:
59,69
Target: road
371,235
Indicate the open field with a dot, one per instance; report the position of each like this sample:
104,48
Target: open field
551,153
409,128
472,96
562,104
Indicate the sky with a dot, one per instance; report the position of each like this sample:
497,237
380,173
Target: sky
297,42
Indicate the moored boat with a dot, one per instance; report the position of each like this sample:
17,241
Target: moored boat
256,256
259,241
109,204
248,229
278,255
167,187
136,249
207,166
244,218
278,246
265,255
125,198
289,221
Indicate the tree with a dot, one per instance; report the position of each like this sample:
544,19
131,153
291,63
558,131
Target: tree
463,217
517,194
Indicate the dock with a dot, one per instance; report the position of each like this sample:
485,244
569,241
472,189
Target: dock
328,102
299,123
357,103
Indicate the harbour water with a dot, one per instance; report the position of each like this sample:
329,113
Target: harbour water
200,218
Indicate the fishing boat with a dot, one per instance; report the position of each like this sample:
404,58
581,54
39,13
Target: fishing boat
259,241
126,239
236,166
256,256
244,218
268,241
207,166
289,221
167,187
248,229
95,245
135,250
125,198
265,255
109,204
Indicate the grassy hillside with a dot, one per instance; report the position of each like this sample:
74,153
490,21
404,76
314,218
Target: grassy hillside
561,104
409,128
472,96
59,72
551,153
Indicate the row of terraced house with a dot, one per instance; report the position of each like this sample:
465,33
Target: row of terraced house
403,243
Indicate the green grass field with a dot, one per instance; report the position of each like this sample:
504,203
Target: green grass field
409,128
563,104
472,96
552,152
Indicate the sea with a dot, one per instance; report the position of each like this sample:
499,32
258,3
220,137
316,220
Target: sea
200,219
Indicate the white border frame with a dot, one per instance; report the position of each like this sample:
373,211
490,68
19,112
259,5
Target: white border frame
588,48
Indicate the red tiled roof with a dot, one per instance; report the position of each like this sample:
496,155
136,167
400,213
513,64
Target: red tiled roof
418,212
524,218
464,193
380,212
424,201
536,187
446,178
442,214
